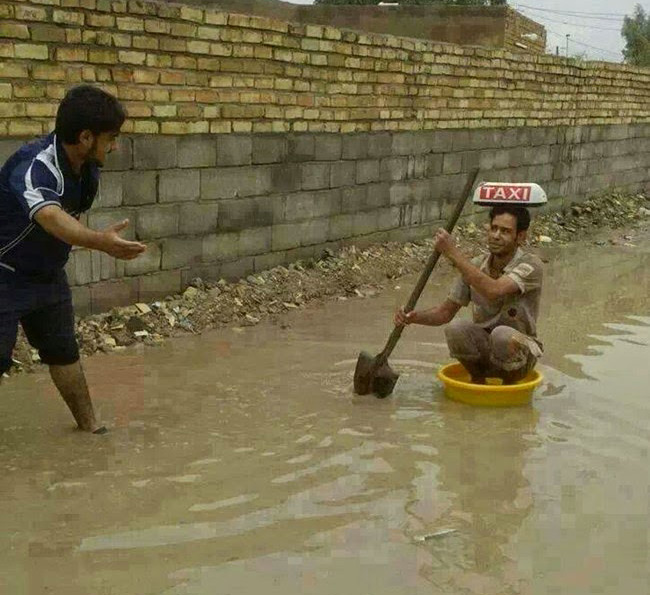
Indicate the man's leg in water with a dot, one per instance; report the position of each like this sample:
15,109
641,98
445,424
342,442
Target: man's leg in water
51,330
71,382
510,354
469,344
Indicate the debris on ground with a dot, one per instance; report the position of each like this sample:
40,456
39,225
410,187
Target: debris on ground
350,273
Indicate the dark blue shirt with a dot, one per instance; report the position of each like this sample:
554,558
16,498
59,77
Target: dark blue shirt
37,175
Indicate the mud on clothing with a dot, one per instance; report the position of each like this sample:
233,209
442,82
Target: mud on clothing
514,318
33,287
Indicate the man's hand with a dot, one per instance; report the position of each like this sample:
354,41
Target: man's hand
404,319
444,243
118,247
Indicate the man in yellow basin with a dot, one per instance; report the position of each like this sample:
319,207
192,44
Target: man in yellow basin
504,288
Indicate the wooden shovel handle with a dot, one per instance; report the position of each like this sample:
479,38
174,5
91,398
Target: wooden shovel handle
426,273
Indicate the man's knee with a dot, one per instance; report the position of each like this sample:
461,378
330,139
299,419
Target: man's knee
507,351
502,338
459,329
466,340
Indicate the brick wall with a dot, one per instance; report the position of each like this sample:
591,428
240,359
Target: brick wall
253,142
189,69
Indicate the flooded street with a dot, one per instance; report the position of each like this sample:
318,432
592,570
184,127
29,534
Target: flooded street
240,462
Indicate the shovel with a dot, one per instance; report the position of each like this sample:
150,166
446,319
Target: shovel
374,374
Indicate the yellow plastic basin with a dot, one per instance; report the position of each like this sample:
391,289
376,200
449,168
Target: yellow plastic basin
458,387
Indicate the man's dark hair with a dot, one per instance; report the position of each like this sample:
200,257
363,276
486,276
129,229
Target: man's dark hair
86,107
521,214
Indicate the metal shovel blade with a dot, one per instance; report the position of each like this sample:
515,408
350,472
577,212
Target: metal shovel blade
371,376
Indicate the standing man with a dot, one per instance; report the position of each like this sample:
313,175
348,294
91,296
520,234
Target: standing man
504,288
44,188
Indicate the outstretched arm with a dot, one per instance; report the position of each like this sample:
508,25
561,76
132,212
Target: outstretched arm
66,228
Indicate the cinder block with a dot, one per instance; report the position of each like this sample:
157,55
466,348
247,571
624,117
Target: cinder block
109,267
232,182
269,148
207,271
452,163
198,218
315,176
416,143
110,294
380,144
266,262
237,269
96,265
364,223
8,148
388,218
157,222
285,236
341,226
237,214
78,268
367,171
255,241
301,147
393,169
354,199
234,149
286,177
378,195
328,147
355,146
431,210
310,205
177,185
441,141
433,166
159,285
181,252
154,152
101,219
220,247
315,231
343,173
147,262
302,253
122,158
139,187
110,190
197,151
269,210
471,160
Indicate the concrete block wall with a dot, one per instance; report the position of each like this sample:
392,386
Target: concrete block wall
228,205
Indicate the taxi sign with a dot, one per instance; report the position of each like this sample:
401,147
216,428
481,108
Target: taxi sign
521,194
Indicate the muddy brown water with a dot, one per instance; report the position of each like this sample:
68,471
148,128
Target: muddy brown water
240,462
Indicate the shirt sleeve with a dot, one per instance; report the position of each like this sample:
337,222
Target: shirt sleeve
460,292
35,186
527,275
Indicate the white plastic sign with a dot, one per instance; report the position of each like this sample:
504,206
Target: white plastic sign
509,193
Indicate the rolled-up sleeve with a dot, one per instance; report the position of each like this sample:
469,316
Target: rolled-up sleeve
527,275
460,293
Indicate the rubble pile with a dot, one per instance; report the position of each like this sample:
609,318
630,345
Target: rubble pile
350,273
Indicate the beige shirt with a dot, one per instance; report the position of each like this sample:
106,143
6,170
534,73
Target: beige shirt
518,310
